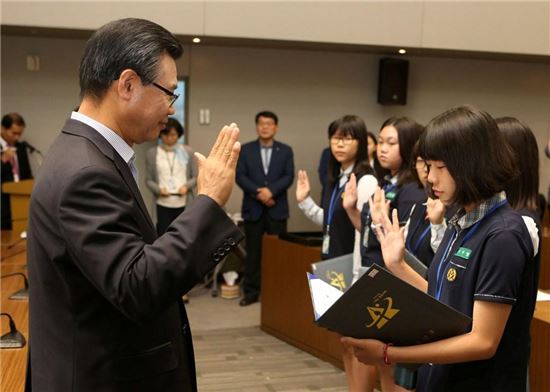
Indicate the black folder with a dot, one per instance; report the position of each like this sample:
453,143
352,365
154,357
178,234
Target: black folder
382,306
337,272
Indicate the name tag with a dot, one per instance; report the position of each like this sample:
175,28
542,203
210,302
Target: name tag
463,253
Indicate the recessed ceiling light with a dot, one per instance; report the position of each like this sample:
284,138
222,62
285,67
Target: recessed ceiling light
401,51
196,40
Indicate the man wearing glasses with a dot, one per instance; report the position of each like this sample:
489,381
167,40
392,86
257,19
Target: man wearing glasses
105,304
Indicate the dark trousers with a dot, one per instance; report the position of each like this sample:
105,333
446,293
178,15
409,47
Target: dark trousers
254,231
165,216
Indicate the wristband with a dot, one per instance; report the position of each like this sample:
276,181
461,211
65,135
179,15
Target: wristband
385,353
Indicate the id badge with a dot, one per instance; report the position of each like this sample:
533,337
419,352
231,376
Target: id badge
366,237
326,244
172,185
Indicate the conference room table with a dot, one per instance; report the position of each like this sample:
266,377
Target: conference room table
13,362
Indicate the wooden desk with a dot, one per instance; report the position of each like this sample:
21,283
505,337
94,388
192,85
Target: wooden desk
539,366
20,197
287,312
13,362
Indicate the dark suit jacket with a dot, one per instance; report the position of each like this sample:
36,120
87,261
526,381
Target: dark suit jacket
251,176
105,293
7,176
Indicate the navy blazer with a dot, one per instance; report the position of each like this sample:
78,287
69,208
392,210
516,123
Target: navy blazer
251,176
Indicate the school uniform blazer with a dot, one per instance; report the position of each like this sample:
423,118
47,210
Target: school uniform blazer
251,176
105,293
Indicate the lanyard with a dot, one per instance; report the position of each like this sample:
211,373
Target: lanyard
445,259
388,187
414,250
171,164
337,191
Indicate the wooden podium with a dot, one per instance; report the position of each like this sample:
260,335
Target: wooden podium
287,312
20,196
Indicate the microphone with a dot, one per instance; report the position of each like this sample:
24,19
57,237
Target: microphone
30,147
22,294
14,338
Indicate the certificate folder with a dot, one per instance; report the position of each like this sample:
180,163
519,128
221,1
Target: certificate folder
337,272
381,306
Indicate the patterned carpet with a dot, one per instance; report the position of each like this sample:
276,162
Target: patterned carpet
248,360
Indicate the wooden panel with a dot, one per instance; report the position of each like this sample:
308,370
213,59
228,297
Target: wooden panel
539,364
287,311
544,277
13,361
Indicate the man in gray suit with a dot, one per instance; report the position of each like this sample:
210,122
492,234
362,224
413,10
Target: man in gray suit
105,293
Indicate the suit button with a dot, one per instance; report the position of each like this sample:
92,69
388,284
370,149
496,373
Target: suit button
216,256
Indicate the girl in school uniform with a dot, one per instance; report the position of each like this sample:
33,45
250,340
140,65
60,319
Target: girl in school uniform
396,140
426,224
484,266
348,146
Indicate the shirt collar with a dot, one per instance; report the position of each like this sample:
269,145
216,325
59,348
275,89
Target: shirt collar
462,219
3,143
121,147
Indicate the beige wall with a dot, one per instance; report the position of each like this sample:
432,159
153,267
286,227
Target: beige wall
307,89
505,26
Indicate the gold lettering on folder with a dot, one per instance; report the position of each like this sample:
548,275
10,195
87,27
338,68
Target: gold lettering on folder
381,314
337,280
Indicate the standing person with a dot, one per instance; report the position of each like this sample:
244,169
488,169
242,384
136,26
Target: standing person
396,140
265,171
105,292
484,268
348,162
323,169
15,161
171,175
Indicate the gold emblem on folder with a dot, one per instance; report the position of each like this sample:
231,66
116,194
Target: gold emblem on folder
337,280
451,274
382,314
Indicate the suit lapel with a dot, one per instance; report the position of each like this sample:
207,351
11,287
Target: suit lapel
77,128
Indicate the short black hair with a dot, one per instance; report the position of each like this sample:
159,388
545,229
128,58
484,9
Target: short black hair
474,151
523,191
268,114
415,154
354,126
12,118
172,123
408,132
129,43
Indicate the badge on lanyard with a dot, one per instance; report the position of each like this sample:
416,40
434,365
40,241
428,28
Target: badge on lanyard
326,243
172,185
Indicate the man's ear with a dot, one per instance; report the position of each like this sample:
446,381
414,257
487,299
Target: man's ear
127,84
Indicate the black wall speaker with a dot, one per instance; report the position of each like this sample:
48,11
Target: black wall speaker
393,76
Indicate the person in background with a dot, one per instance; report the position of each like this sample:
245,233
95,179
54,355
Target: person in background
323,168
396,140
171,175
15,160
484,268
348,162
265,171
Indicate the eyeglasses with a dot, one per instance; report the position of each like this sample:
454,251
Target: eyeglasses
346,140
172,96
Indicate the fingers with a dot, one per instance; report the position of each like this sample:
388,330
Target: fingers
225,142
200,159
234,155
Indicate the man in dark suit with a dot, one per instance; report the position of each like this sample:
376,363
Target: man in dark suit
265,171
15,161
105,293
